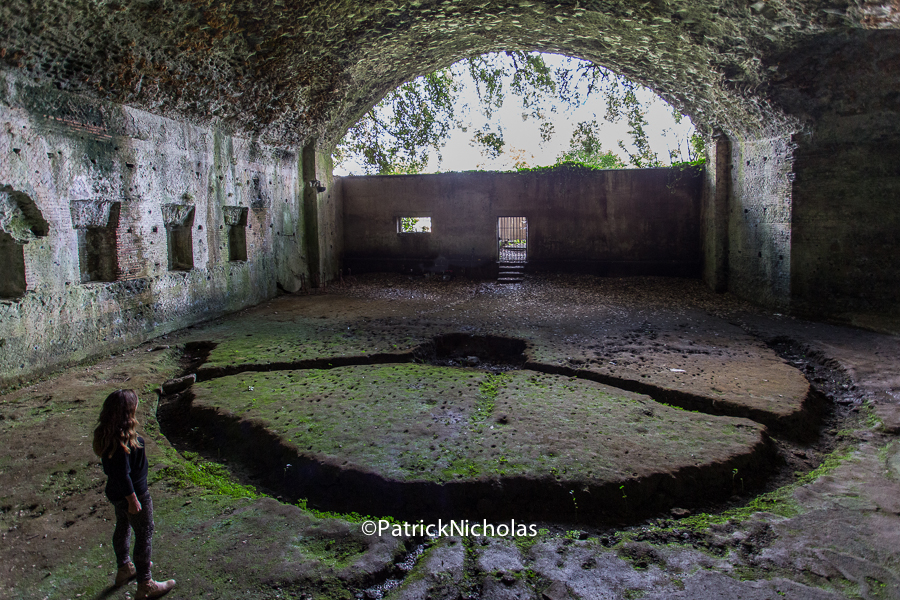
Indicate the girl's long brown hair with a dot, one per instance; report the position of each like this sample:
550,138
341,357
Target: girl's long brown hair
117,426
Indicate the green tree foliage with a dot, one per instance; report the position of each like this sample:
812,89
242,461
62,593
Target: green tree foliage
696,155
491,143
585,149
579,80
696,147
408,224
398,134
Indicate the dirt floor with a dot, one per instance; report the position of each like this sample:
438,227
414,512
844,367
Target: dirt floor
664,442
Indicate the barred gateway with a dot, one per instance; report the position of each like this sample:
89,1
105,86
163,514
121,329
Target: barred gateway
512,235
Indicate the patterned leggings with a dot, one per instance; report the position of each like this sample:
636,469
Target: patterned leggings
142,523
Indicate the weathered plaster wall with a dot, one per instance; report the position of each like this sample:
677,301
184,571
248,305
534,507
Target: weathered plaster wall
70,157
714,213
759,220
846,225
621,222
845,259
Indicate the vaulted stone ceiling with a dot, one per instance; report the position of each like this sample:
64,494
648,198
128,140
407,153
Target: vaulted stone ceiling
288,70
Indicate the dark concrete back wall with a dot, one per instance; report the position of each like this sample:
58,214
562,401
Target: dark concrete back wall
619,222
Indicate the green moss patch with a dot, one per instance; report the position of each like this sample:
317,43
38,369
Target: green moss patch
426,426
197,473
397,420
567,427
303,339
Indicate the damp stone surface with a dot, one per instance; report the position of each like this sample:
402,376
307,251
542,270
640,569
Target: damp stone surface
823,535
690,358
414,430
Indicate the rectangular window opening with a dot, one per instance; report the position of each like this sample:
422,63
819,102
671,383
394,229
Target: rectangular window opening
236,221
512,235
414,225
97,254
179,221
237,243
12,267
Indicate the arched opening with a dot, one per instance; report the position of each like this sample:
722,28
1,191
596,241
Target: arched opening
753,261
20,222
517,110
586,213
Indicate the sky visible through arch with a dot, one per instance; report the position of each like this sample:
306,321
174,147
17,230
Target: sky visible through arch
522,135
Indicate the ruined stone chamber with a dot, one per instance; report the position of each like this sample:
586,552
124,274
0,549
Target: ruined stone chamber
165,162
376,416
177,168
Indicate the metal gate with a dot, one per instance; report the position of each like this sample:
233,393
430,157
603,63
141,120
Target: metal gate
512,234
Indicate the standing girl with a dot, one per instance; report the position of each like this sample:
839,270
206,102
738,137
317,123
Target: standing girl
117,443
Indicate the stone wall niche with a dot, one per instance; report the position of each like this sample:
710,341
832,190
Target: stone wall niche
12,267
96,222
236,221
20,222
179,220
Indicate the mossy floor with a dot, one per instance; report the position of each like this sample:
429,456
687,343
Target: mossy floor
412,423
832,534
687,356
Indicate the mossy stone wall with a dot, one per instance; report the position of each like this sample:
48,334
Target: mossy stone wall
807,93
83,165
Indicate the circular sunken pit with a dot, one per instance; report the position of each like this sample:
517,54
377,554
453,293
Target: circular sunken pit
419,440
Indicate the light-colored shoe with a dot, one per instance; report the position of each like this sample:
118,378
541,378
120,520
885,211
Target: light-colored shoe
125,573
153,589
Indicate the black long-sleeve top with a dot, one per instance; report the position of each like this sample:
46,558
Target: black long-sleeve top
126,473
